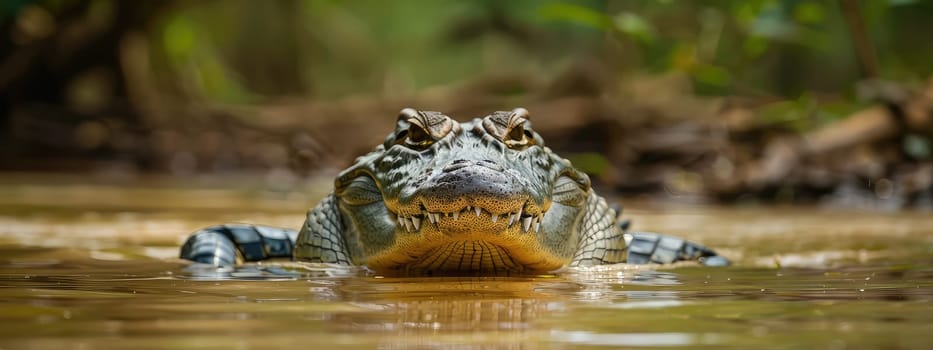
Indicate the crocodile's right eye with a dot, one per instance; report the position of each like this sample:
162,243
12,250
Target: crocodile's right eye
518,137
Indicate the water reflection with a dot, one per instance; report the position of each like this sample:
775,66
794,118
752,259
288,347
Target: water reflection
447,304
638,339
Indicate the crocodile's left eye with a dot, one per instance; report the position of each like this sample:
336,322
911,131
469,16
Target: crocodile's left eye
512,128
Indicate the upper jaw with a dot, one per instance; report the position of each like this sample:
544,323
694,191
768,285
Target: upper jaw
522,216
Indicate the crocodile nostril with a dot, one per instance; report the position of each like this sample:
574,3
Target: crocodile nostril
463,163
457,164
491,165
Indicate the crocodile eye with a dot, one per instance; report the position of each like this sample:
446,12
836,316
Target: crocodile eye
419,130
517,137
511,128
417,136
414,137
517,133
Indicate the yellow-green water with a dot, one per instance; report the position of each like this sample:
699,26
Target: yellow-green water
92,266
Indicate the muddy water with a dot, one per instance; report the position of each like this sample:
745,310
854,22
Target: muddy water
92,266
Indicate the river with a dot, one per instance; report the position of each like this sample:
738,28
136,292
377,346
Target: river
91,264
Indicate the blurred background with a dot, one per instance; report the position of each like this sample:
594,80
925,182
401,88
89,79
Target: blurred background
742,101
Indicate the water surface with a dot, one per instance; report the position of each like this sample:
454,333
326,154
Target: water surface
93,266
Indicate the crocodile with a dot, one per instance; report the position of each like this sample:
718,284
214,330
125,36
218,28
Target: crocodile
444,197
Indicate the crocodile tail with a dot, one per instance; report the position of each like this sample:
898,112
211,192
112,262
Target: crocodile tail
606,240
650,247
224,245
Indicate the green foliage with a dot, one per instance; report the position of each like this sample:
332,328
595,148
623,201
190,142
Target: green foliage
234,50
178,39
591,163
577,14
806,112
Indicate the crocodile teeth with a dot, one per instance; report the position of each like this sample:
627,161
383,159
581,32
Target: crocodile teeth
413,223
408,224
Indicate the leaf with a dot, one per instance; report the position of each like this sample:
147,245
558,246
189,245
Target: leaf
575,14
179,38
635,26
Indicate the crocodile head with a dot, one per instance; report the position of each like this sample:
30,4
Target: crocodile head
438,195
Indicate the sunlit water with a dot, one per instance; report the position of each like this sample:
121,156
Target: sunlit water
93,266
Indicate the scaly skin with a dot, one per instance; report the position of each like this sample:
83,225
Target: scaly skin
441,197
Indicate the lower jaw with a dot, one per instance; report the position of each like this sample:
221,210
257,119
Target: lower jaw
467,257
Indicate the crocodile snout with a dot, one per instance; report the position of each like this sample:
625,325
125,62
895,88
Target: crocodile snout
480,183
